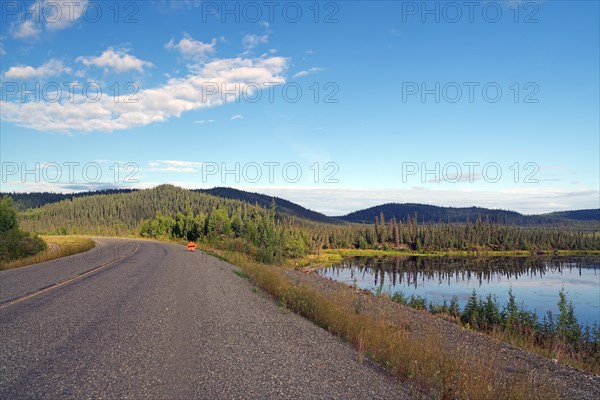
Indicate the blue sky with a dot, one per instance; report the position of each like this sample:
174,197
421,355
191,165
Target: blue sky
494,105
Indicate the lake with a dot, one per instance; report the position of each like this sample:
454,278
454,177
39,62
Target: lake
535,281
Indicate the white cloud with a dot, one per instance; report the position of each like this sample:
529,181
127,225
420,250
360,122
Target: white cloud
190,48
60,14
118,61
51,68
307,72
251,41
158,104
27,30
53,15
204,121
174,166
237,116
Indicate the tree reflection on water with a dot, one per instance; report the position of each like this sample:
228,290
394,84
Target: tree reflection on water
413,271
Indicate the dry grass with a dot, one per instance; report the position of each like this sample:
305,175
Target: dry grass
58,246
421,359
555,350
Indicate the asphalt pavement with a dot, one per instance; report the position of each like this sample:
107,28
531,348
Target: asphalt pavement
135,319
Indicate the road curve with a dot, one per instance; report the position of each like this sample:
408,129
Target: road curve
161,322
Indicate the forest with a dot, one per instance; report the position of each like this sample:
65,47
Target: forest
579,219
270,234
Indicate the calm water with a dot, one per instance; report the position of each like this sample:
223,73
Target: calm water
535,281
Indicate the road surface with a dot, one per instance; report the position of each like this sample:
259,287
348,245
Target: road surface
142,319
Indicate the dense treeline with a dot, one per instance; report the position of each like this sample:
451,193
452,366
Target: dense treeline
15,243
477,236
181,213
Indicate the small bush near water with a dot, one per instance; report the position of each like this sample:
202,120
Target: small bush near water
559,336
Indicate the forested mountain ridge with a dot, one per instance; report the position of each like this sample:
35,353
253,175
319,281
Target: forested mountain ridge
23,201
435,214
587,219
120,212
263,200
592,214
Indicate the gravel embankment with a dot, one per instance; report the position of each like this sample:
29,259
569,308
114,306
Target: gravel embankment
570,383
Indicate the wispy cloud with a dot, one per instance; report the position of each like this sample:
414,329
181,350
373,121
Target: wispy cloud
204,121
310,71
237,116
63,187
454,178
26,30
53,15
63,13
174,166
395,32
251,41
176,5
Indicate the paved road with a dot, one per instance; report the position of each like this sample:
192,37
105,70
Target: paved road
164,323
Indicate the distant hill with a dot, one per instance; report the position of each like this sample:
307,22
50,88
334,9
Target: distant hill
433,214
263,200
592,214
23,201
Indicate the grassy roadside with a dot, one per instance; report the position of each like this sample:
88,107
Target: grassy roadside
421,359
58,246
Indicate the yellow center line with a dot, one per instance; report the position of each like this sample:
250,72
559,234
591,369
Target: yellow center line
67,280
